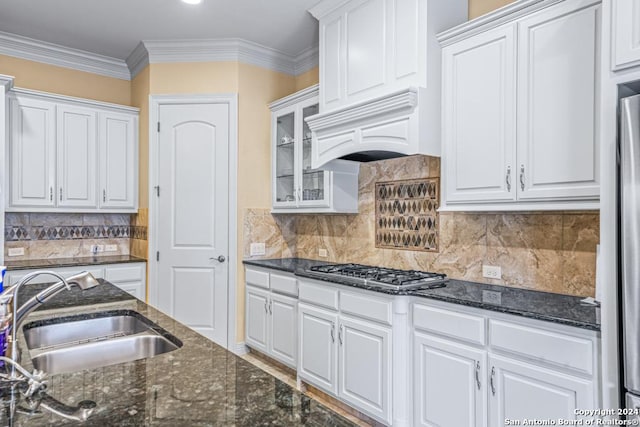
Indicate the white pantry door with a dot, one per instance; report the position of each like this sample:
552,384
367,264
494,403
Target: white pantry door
193,223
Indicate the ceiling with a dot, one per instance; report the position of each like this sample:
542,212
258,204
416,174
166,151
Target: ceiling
115,27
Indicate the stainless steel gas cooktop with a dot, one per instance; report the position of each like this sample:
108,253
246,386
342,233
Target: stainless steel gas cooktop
378,277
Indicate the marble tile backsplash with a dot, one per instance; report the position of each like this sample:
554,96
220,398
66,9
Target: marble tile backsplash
52,235
546,251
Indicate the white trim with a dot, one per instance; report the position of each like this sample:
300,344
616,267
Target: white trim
6,81
219,50
55,97
293,99
405,99
61,56
529,206
154,104
240,349
325,7
500,16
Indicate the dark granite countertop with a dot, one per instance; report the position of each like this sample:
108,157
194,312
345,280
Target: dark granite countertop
556,308
200,384
29,264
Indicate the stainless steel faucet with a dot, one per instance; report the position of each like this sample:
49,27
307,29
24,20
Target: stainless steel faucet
9,298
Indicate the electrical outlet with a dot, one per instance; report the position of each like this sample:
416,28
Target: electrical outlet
257,249
492,297
96,248
111,248
491,272
323,253
15,252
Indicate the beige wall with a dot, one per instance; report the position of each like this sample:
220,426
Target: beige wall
307,79
480,7
65,81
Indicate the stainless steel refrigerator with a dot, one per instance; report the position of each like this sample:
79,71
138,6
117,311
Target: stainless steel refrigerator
630,244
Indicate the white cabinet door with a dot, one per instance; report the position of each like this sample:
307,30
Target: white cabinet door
625,28
558,60
332,33
479,75
284,331
449,383
257,327
365,367
118,160
77,157
521,391
32,153
317,355
134,288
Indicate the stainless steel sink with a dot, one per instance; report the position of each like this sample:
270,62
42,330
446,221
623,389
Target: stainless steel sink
76,343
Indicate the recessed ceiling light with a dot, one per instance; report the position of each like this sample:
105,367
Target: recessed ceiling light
192,1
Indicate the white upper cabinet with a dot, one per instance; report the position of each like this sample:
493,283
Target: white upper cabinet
297,187
557,102
32,153
118,160
77,156
520,128
625,29
479,118
71,155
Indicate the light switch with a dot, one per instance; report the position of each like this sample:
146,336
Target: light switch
15,252
257,249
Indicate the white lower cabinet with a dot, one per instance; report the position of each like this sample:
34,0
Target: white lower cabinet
521,390
257,302
318,363
522,370
346,355
130,277
271,317
364,361
450,388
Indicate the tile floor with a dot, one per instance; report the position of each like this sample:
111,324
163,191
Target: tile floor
288,376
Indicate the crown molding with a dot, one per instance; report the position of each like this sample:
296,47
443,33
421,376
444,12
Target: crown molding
218,50
61,56
83,102
6,82
306,60
325,7
494,19
294,98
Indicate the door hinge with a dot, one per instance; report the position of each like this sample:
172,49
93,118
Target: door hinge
158,256
158,127
157,187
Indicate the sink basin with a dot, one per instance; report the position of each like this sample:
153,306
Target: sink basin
75,343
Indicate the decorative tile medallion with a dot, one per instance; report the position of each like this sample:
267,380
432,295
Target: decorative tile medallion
407,214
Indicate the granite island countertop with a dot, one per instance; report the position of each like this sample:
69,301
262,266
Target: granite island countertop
29,264
556,308
200,384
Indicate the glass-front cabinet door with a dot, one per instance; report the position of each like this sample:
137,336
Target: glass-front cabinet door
313,182
285,159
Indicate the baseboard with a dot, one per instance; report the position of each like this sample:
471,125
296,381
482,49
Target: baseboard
240,349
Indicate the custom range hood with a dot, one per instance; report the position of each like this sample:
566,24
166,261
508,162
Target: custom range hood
380,77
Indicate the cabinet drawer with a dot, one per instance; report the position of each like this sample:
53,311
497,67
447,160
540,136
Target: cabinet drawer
129,273
549,347
462,326
321,295
284,284
257,278
368,307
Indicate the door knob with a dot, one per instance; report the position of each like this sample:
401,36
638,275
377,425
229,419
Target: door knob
221,258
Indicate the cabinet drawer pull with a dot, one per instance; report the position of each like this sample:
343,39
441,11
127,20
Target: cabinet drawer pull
51,194
522,177
508,179
340,333
104,195
60,193
266,310
493,374
270,304
478,375
333,332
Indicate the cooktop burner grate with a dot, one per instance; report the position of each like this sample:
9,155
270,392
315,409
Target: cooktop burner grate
382,277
